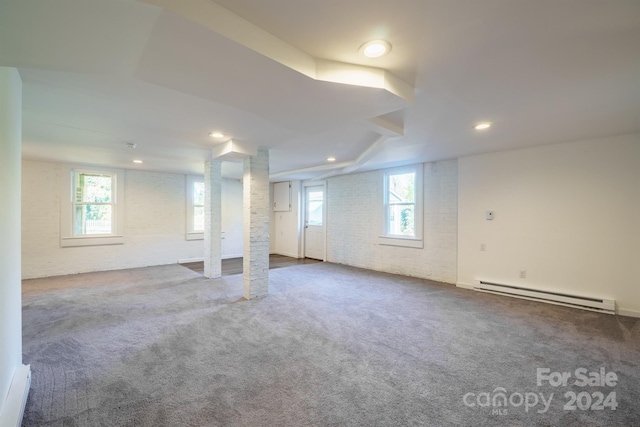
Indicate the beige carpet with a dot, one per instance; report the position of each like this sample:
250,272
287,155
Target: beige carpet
330,346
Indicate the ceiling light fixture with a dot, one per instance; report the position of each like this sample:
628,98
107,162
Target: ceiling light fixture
331,159
137,161
375,48
217,135
482,126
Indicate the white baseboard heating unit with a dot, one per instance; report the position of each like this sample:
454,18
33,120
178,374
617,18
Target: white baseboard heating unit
576,301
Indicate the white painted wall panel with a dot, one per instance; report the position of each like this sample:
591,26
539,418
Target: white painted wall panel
568,214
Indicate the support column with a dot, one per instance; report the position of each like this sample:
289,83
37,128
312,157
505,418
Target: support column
10,252
256,205
212,219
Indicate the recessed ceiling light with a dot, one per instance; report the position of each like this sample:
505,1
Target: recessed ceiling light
482,126
375,48
216,135
137,161
331,159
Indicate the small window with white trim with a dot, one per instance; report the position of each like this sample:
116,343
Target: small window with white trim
93,204
92,214
402,216
195,208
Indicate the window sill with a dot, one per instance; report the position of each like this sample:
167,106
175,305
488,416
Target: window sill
69,242
406,242
195,236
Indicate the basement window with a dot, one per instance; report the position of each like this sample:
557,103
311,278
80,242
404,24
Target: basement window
402,216
91,208
195,208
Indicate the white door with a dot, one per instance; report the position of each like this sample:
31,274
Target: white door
314,223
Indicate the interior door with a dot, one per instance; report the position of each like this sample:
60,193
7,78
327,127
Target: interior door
314,222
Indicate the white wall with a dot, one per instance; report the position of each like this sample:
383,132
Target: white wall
285,232
155,224
354,222
568,214
272,223
10,286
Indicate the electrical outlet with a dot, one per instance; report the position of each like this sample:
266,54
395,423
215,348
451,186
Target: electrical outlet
523,274
483,247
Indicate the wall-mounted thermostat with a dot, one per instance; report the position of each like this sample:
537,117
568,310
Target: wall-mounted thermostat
489,215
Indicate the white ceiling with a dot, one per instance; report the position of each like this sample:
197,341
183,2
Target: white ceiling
162,74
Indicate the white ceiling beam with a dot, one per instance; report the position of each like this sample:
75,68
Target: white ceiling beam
319,168
359,75
341,168
385,127
232,151
216,18
367,155
224,22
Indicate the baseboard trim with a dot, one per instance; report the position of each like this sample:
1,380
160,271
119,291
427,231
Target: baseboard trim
201,259
188,260
630,313
290,255
13,409
464,285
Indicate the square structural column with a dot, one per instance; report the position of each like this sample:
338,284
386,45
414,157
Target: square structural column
256,205
212,219
13,375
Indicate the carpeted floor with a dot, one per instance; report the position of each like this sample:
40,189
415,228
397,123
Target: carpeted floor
330,346
232,266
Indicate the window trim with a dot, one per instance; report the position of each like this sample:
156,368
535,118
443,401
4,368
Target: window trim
387,239
67,238
190,233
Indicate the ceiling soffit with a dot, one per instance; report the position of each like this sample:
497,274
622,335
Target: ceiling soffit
221,70
233,27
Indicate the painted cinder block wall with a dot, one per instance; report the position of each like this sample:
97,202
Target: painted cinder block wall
354,223
155,224
257,215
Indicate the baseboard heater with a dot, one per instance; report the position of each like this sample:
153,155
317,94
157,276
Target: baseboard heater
13,410
576,301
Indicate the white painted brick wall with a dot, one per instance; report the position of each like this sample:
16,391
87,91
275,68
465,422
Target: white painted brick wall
155,217
354,223
257,211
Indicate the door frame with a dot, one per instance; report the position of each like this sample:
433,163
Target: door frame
303,217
